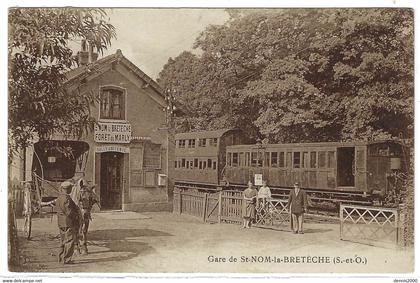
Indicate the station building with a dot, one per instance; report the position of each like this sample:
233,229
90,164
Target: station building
129,153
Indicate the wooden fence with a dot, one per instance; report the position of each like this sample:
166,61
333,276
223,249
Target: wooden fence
226,207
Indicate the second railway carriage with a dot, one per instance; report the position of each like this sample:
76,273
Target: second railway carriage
200,156
339,170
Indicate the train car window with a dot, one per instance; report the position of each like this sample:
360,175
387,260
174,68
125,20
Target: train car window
296,160
322,159
274,159
191,164
313,159
305,159
195,162
281,159
229,159
266,159
204,164
191,143
241,159
214,165
176,164
209,163
213,142
289,160
183,162
254,157
246,158
202,142
181,143
331,159
235,159
188,164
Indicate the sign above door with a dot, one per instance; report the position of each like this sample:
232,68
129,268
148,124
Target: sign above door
112,132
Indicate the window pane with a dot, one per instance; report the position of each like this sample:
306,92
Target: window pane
195,162
209,163
331,159
246,158
254,159
274,158
322,159
235,159
266,159
296,159
305,160
289,160
214,165
281,159
229,159
241,159
313,159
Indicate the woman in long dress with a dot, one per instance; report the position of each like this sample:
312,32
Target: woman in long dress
248,206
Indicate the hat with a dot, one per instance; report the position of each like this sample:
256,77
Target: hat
296,184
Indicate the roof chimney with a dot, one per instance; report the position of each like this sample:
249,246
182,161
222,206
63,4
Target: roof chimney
86,54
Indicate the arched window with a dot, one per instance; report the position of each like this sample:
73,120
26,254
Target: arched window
112,104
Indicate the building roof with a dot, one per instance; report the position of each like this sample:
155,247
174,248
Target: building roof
204,134
97,66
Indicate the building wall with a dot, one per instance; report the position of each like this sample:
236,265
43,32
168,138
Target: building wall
145,113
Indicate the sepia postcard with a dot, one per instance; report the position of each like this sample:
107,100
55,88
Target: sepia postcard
210,141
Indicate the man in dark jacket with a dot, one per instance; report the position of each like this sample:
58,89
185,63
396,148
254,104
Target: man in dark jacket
68,222
86,200
297,205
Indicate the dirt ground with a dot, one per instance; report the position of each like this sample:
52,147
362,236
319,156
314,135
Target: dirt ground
165,242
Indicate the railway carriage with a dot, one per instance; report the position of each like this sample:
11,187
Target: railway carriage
201,156
337,170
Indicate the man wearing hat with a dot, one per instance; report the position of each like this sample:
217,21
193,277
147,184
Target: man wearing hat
67,222
297,204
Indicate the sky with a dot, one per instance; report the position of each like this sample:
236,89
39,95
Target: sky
148,37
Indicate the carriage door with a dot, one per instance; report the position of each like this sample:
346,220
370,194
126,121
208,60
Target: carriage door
111,180
360,168
345,167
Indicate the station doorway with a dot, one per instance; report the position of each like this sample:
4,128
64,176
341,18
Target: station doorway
345,166
111,180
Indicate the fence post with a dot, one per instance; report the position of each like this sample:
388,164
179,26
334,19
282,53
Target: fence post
205,207
180,201
219,212
341,222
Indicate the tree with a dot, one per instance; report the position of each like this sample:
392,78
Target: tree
39,56
303,74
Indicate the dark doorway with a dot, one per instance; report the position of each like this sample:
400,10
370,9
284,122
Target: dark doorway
345,167
111,180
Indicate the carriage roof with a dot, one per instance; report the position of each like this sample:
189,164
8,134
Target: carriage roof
315,144
205,134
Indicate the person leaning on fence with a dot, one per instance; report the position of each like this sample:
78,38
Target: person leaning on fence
297,205
86,201
68,222
248,206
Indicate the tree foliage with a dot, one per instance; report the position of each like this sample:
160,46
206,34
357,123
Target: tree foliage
39,56
300,75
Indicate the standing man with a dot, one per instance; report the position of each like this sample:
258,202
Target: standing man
68,222
297,205
86,201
